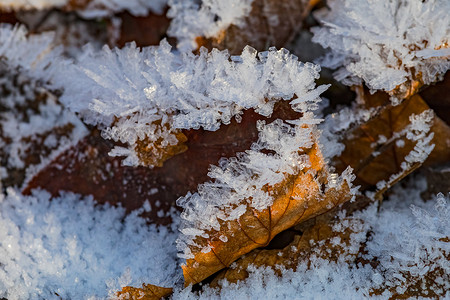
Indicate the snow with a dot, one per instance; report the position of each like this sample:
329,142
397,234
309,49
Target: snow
407,239
385,43
150,93
204,18
71,247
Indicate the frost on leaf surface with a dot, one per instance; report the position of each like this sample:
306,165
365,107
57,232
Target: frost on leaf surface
68,247
406,256
147,96
390,45
281,181
193,18
33,125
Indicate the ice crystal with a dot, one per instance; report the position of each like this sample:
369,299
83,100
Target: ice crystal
135,94
385,43
193,18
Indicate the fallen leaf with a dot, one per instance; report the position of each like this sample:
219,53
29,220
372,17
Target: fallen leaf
377,148
147,292
297,198
144,31
314,238
270,23
87,169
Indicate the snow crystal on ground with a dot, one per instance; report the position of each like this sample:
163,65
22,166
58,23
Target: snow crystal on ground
68,247
409,239
192,19
385,43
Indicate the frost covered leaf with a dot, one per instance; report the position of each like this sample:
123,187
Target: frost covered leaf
393,141
147,292
34,127
87,169
234,24
140,97
317,238
279,183
394,46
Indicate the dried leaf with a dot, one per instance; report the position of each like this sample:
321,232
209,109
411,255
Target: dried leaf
270,23
377,148
147,292
144,31
296,199
315,238
87,168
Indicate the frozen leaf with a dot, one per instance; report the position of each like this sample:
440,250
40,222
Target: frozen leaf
279,183
34,127
394,46
319,237
87,169
147,292
234,24
393,141
148,95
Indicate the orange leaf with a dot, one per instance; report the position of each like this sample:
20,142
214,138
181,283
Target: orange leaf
377,148
298,197
147,292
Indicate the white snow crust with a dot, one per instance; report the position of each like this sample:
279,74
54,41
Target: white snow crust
70,247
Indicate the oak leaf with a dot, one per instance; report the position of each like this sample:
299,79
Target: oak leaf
147,292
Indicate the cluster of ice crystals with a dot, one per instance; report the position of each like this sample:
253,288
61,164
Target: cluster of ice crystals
15,50
68,247
134,93
204,18
93,9
409,241
385,43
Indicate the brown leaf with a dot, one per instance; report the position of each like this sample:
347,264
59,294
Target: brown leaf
147,292
144,31
296,199
87,168
376,150
315,238
259,29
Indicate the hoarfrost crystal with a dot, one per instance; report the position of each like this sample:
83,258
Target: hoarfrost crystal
386,44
